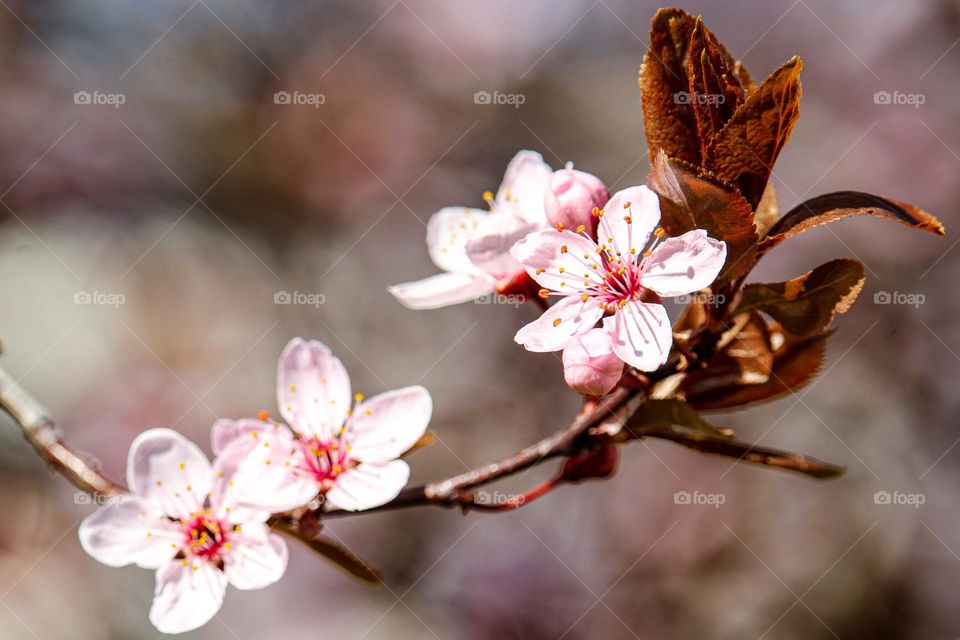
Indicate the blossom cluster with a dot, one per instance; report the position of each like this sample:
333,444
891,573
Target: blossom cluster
204,525
603,256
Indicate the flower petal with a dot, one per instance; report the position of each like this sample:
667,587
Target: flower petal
560,260
590,366
388,424
257,559
442,290
523,188
127,531
642,334
628,219
226,431
259,474
168,471
187,595
368,485
447,234
489,249
558,324
684,264
313,389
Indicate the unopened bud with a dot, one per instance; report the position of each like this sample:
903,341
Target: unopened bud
589,365
571,197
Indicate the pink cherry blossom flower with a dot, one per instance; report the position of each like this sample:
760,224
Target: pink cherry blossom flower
590,367
616,279
347,455
472,246
182,518
571,197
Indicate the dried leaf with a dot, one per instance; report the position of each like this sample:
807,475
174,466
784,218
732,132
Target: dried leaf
768,211
715,91
745,358
840,204
796,361
677,421
752,453
654,416
692,200
807,304
669,122
425,440
744,151
344,558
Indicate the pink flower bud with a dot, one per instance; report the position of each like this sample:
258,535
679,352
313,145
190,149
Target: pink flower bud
589,365
571,197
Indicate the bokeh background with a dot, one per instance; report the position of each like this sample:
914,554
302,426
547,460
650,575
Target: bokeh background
184,211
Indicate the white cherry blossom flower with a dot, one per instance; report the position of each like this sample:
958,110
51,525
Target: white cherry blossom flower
617,278
182,518
472,246
349,456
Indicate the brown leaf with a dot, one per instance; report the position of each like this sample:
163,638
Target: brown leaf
657,415
344,558
744,357
755,454
692,200
840,204
669,123
768,211
807,304
715,91
796,361
744,151
677,421
425,440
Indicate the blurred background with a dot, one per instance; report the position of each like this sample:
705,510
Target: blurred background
158,200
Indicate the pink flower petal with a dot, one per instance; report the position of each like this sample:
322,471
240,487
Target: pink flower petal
489,249
523,188
642,334
368,485
559,260
258,474
257,558
188,594
226,431
684,264
448,232
168,471
442,290
547,334
590,366
313,389
628,219
388,424
127,530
